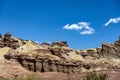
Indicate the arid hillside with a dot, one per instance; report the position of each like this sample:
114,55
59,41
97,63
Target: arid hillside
19,58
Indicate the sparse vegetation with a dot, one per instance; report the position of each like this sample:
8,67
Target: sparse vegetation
24,78
4,79
94,76
30,78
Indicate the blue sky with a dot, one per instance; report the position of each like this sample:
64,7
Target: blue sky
82,23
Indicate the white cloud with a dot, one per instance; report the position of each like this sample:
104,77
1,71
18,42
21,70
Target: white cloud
112,20
86,32
82,27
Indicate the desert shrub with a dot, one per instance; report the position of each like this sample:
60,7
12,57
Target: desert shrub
30,78
94,76
4,79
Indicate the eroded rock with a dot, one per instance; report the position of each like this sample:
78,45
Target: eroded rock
58,57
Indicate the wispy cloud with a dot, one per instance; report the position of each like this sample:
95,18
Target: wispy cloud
82,27
113,20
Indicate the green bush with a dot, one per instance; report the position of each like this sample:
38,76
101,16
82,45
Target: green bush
94,76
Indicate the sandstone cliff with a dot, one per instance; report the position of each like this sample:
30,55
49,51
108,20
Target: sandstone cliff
58,57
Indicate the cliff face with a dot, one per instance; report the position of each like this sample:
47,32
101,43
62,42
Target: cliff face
111,50
58,57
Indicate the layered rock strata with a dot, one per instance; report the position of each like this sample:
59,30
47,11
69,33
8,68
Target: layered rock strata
58,57
111,50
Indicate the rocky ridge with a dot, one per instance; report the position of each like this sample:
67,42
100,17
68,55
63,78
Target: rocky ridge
58,57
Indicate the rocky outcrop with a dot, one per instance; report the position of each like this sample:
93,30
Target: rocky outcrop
111,50
60,44
55,57
8,41
59,51
58,57
45,45
43,62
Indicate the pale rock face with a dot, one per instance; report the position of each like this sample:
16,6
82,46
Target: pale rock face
28,46
74,56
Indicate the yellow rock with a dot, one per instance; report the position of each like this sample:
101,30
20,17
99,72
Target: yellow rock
28,47
75,56
3,51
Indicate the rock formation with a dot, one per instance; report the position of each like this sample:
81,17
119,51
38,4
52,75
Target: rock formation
111,50
60,44
58,57
8,41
